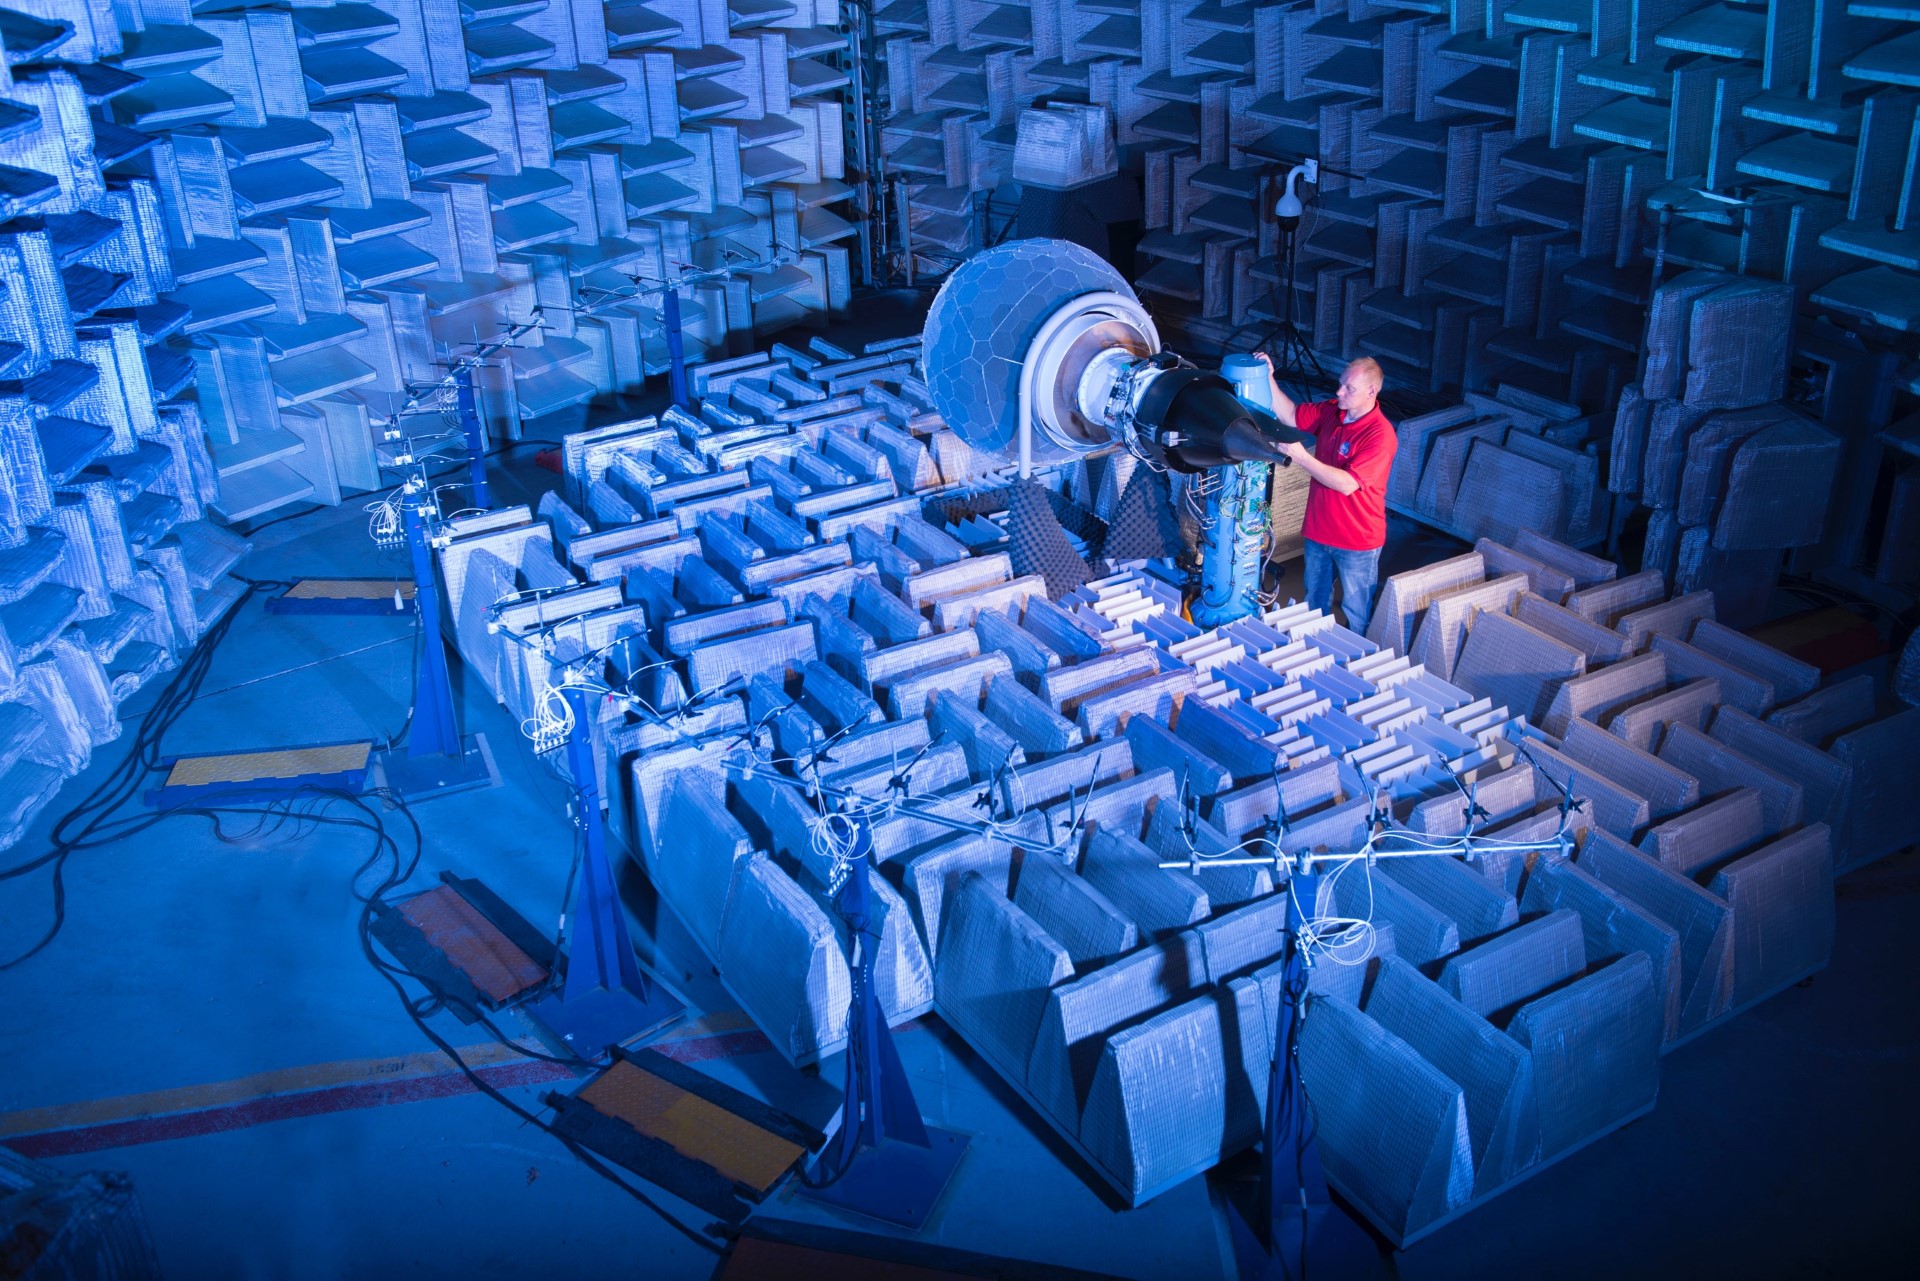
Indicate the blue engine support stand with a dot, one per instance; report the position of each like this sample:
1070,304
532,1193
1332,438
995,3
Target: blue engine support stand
1236,545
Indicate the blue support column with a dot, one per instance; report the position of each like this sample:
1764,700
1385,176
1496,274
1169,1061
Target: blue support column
476,439
434,731
605,999
1236,544
438,759
676,346
885,1162
1295,1231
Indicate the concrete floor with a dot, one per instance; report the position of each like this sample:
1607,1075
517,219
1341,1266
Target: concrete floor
206,1022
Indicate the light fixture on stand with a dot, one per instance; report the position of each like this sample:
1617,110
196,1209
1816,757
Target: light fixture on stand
1293,358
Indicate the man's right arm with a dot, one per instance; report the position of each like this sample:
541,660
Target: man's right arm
1283,406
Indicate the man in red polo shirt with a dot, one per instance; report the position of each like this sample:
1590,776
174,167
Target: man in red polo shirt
1346,522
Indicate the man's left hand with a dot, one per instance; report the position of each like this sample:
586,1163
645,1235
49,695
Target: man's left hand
1295,450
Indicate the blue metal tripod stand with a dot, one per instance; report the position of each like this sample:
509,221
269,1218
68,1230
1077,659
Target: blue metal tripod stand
469,410
1295,1229
437,760
604,1000
885,1162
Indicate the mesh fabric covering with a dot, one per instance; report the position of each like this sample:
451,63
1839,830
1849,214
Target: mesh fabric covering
1175,1093
1668,790
1595,1046
1476,905
996,966
1444,629
1612,926
1403,596
1645,723
1879,804
1422,933
1129,874
1498,975
1722,769
1781,898
1392,1127
1082,919
1598,694
783,963
1494,1073
1699,918
931,876
1514,665
1080,1014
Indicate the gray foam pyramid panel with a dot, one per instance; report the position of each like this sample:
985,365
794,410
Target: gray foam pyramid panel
1700,919
1495,1075
1595,1045
1516,666
1781,898
1082,1012
1393,1128
1144,526
1613,926
1495,977
783,963
996,966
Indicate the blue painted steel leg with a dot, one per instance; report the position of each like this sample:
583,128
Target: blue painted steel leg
676,346
605,999
1296,1231
434,732
1236,544
476,440
885,1162
437,760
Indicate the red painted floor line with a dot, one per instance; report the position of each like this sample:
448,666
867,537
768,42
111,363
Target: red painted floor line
344,1098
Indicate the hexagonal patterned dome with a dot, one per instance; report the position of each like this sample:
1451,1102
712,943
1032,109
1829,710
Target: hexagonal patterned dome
984,318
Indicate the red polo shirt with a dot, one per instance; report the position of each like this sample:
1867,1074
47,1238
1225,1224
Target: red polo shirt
1355,522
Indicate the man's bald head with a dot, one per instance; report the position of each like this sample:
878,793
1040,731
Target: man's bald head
1360,384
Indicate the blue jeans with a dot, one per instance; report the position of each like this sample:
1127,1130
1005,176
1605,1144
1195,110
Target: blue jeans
1359,574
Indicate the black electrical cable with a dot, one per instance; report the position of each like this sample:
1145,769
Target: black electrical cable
123,781
281,812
